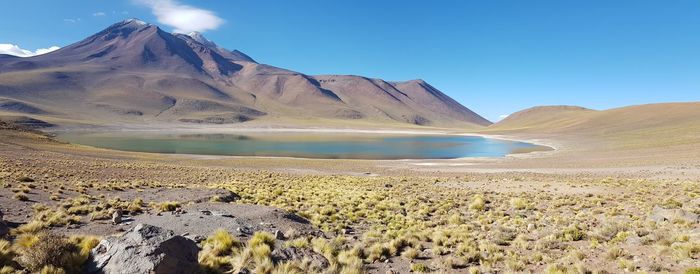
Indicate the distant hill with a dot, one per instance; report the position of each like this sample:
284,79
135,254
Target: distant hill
664,123
134,72
543,118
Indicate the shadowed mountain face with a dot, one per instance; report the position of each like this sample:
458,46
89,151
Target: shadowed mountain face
134,72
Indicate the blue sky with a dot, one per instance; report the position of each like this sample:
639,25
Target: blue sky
493,56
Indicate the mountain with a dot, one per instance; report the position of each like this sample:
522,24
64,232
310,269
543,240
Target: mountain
544,118
662,124
135,73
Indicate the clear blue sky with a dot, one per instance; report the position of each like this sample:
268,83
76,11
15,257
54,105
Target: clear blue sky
493,56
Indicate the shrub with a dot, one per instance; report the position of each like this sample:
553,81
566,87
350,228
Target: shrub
167,206
6,253
85,244
221,243
8,270
26,179
351,260
555,269
694,270
572,233
31,227
261,253
397,245
455,219
419,267
410,253
298,243
264,266
518,203
608,231
135,207
50,269
21,197
288,267
452,262
627,265
262,238
614,253
686,250
52,250
378,251
100,215
478,203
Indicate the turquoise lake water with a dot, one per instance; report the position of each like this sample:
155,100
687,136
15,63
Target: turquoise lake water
324,146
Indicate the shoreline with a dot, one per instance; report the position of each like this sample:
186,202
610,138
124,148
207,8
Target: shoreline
546,147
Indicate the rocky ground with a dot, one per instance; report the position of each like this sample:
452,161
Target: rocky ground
259,215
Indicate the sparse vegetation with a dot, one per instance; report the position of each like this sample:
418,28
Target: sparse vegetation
21,197
475,223
167,206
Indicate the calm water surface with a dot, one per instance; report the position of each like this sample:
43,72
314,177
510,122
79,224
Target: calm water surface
325,146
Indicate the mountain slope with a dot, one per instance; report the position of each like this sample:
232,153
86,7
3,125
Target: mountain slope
134,72
639,125
543,119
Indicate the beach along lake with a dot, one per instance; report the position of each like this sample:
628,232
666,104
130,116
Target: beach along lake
305,145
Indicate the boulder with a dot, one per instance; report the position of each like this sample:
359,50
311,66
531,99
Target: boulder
298,254
3,226
145,249
660,214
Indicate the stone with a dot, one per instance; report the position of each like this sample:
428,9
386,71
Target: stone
348,230
426,253
195,238
297,254
117,216
3,226
279,235
531,227
660,214
144,249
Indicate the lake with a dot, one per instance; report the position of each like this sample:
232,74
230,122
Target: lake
305,145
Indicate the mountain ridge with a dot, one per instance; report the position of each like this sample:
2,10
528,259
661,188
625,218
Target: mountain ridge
671,121
133,71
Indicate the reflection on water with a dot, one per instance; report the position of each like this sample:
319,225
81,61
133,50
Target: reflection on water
325,146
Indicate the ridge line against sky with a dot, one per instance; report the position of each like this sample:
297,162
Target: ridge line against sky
495,57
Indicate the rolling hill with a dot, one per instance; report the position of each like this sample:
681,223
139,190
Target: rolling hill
633,126
135,73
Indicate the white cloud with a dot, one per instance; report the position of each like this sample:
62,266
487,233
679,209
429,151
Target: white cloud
47,50
17,51
503,116
183,18
71,20
99,13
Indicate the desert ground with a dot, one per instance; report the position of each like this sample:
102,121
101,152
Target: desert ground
597,203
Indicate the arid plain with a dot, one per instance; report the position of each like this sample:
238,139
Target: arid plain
620,192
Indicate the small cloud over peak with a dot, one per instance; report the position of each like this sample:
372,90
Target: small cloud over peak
99,13
503,116
46,50
183,18
15,50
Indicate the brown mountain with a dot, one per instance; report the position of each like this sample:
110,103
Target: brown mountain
135,73
652,125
